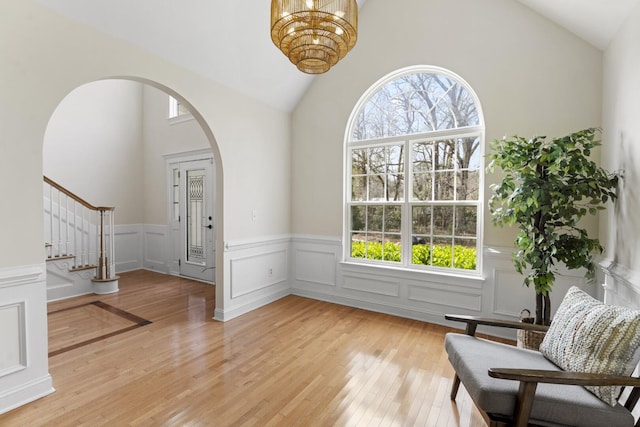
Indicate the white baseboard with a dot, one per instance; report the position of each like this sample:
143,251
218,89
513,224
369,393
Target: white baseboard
225,315
26,393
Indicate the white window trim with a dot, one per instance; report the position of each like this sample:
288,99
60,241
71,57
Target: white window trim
409,138
174,117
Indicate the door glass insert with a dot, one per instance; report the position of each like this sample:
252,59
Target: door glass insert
196,237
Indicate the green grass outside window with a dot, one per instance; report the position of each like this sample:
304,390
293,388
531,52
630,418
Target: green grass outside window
464,257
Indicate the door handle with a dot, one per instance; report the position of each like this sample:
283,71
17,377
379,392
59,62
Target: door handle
208,226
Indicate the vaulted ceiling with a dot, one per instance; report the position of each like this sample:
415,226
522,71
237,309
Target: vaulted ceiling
229,41
596,21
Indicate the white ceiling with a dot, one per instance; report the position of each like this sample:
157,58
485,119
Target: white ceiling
199,35
596,21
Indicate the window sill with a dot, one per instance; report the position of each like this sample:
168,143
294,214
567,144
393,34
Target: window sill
179,119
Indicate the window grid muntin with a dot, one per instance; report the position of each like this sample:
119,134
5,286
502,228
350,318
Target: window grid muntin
368,174
433,235
476,131
459,132
456,170
383,233
407,234
391,93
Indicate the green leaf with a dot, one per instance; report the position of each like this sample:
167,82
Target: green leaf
548,185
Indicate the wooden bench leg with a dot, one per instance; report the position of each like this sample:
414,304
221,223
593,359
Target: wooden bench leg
524,403
454,387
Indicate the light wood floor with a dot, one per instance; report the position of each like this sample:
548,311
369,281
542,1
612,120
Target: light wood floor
296,362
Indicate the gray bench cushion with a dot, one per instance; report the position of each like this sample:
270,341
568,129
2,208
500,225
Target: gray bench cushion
554,404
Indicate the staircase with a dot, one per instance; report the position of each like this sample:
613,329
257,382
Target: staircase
79,244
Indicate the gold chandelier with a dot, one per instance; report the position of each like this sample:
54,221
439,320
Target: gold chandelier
314,34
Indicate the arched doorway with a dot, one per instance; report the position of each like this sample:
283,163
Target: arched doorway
108,138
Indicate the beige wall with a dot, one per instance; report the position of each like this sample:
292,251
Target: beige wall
162,137
531,76
93,146
45,57
621,148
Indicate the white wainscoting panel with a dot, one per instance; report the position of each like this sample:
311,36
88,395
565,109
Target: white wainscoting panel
421,295
63,283
259,271
157,248
142,246
128,248
12,338
256,272
371,285
24,371
444,296
314,266
413,294
511,296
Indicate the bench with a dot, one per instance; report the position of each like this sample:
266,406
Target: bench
520,387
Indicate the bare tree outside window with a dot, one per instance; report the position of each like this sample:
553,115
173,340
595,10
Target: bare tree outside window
415,157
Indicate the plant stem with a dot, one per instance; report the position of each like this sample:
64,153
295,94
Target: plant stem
547,310
539,302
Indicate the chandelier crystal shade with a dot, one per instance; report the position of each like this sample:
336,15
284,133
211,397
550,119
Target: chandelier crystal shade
314,34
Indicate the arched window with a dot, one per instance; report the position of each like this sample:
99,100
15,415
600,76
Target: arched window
414,173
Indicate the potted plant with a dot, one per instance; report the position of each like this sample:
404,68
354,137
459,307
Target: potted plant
547,187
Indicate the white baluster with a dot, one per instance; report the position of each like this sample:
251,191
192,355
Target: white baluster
59,251
83,259
112,248
50,221
66,226
94,247
75,233
103,245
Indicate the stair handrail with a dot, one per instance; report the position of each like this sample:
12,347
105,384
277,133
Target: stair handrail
76,197
106,258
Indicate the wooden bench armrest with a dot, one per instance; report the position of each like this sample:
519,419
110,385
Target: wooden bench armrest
473,322
563,377
529,379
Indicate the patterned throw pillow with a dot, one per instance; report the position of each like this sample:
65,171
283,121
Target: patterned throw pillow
587,335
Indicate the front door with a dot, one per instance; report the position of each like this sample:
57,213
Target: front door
196,220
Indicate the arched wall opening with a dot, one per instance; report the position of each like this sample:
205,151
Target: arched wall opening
117,153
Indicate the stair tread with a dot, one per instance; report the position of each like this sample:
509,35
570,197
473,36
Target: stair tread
83,267
55,258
